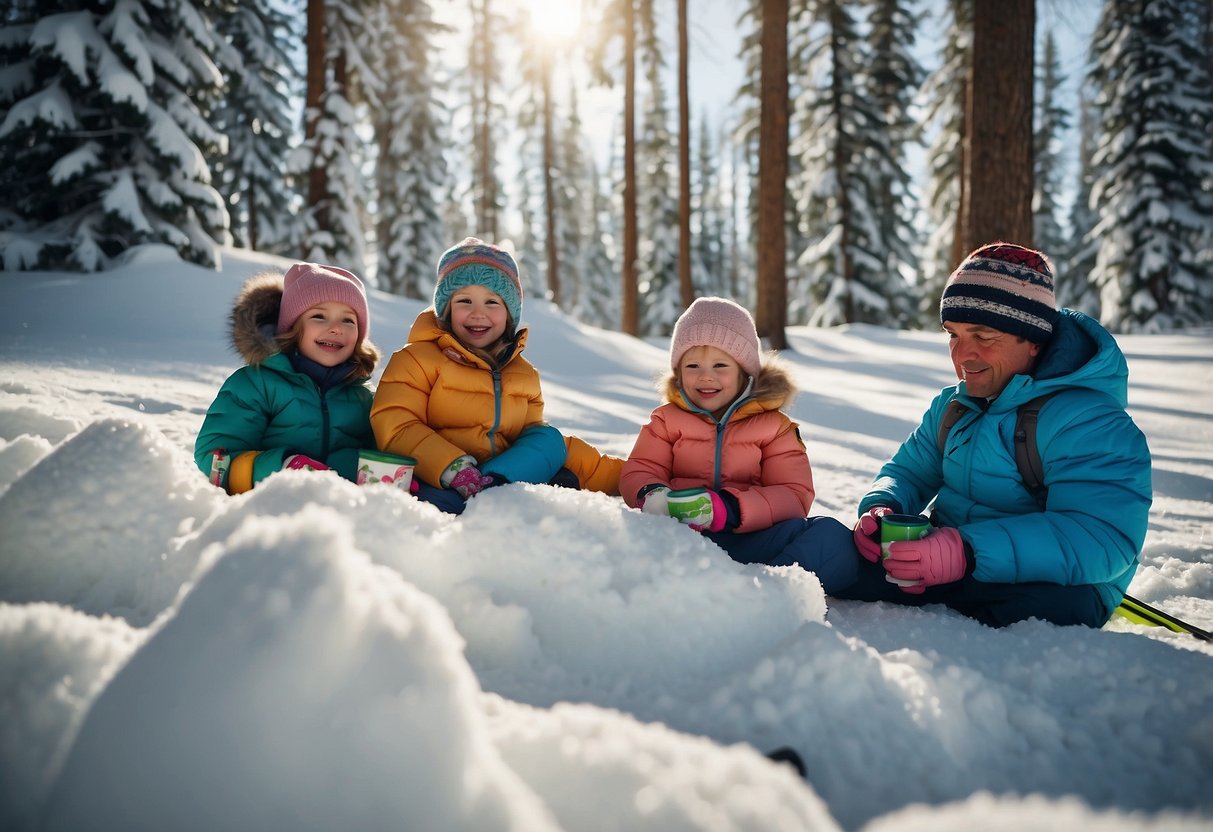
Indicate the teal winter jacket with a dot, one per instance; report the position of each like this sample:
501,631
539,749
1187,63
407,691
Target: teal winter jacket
1096,468
267,411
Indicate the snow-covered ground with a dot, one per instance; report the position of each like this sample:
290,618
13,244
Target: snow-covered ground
315,655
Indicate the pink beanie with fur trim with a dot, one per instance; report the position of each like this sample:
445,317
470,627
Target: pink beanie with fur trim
308,284
720,323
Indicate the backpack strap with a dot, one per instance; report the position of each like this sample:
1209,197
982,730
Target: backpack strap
951,416
1027,453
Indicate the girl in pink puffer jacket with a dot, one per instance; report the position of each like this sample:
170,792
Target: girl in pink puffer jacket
721,456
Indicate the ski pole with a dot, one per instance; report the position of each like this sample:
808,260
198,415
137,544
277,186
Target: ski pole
1139,612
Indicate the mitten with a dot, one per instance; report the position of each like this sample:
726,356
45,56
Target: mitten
654,501
463,476
938,558
867,532
296,462
700,508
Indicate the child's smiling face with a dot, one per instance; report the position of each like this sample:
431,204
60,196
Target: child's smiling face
710,378
329,333
478,316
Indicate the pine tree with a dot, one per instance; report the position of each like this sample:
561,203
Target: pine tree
1156,105
708,253
658,207
104,142
617,22
895,75
257,117
530,241
597,300
840,134
944,95
1051,124
484,80
1075,286
410,170
335,222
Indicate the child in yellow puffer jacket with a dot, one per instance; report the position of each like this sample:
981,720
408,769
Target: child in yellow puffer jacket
461,400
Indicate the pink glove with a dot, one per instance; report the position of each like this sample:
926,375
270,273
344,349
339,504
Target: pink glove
716,519
867,532
938,558
297,462
469,482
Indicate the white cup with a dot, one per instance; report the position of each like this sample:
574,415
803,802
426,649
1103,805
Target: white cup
380,467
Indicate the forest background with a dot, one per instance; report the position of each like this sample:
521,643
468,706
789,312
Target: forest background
867,145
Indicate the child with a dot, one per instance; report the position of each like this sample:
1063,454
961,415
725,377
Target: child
460,398
303,401
722,433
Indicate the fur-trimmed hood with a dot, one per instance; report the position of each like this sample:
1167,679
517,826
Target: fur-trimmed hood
253,322
773,386
254,318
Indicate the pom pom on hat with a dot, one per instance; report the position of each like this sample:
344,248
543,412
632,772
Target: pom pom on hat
1004,286
720,323
474,262
308,284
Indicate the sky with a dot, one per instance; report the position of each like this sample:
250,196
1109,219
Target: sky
319,655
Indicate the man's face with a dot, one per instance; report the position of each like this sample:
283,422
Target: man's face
986,358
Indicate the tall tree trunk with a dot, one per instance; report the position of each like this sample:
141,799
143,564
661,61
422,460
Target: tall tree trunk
631,307
482,85
842,169
252,215
960,237
549,191
317,180
685,288
998,173
772,303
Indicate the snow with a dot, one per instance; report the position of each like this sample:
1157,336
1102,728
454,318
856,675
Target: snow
316,655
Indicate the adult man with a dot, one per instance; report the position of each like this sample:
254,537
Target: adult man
994,554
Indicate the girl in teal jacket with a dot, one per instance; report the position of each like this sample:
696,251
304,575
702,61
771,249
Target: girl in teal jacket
304,399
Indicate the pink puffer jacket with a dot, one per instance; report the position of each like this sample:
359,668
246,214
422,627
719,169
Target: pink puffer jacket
757,455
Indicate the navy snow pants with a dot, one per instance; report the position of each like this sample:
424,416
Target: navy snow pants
995,605
820,545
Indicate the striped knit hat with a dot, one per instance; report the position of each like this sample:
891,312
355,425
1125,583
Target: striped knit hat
474,262
1004,286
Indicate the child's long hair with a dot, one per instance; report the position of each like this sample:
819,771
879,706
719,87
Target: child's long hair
365,357
495,353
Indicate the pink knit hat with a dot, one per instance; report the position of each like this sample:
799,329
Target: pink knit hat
308,284
720,323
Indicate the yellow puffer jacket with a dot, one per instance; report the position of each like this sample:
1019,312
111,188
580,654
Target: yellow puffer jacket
437,401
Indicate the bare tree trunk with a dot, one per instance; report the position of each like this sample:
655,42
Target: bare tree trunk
317,179
481,62
772,306
960,236
549,195
841,172
252,215
999,120
684,162
631,311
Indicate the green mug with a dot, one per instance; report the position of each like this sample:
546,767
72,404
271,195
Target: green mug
894,527
690,506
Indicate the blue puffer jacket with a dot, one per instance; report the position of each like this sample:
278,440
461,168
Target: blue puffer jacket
1096,467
